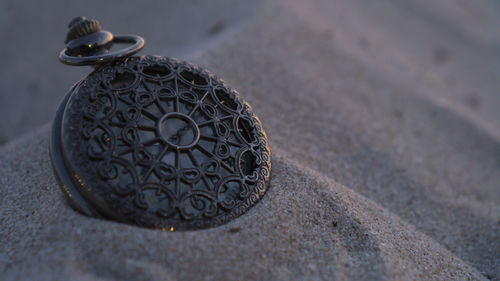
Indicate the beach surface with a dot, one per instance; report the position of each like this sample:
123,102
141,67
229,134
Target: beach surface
383,123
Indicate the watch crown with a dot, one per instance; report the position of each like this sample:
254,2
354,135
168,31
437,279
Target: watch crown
82,26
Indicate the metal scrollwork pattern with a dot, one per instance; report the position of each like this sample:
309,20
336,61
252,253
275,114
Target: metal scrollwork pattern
161,143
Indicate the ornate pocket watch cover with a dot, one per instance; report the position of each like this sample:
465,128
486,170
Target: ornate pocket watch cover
154,141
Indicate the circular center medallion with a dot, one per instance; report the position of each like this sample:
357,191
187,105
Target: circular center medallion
178,130
158,142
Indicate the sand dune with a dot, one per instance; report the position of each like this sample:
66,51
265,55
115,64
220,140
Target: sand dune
308,227
383,124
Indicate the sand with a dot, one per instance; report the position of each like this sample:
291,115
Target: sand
383,124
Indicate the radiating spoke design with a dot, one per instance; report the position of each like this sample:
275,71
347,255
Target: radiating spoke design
167,146
124,100
198,104
117,124
212,121
146,127
177,94
150,115
151,141
203,176
210,154
127,150
162,109
151,168
216,139
177,167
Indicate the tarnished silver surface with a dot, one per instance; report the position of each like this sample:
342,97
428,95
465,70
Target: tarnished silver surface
160,143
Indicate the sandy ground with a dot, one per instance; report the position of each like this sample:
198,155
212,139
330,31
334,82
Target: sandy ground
383,123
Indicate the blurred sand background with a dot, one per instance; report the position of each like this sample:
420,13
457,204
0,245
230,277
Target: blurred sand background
383,122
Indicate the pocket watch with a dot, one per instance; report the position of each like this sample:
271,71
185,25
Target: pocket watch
154,141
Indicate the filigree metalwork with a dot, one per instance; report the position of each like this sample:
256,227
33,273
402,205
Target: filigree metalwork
160,143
